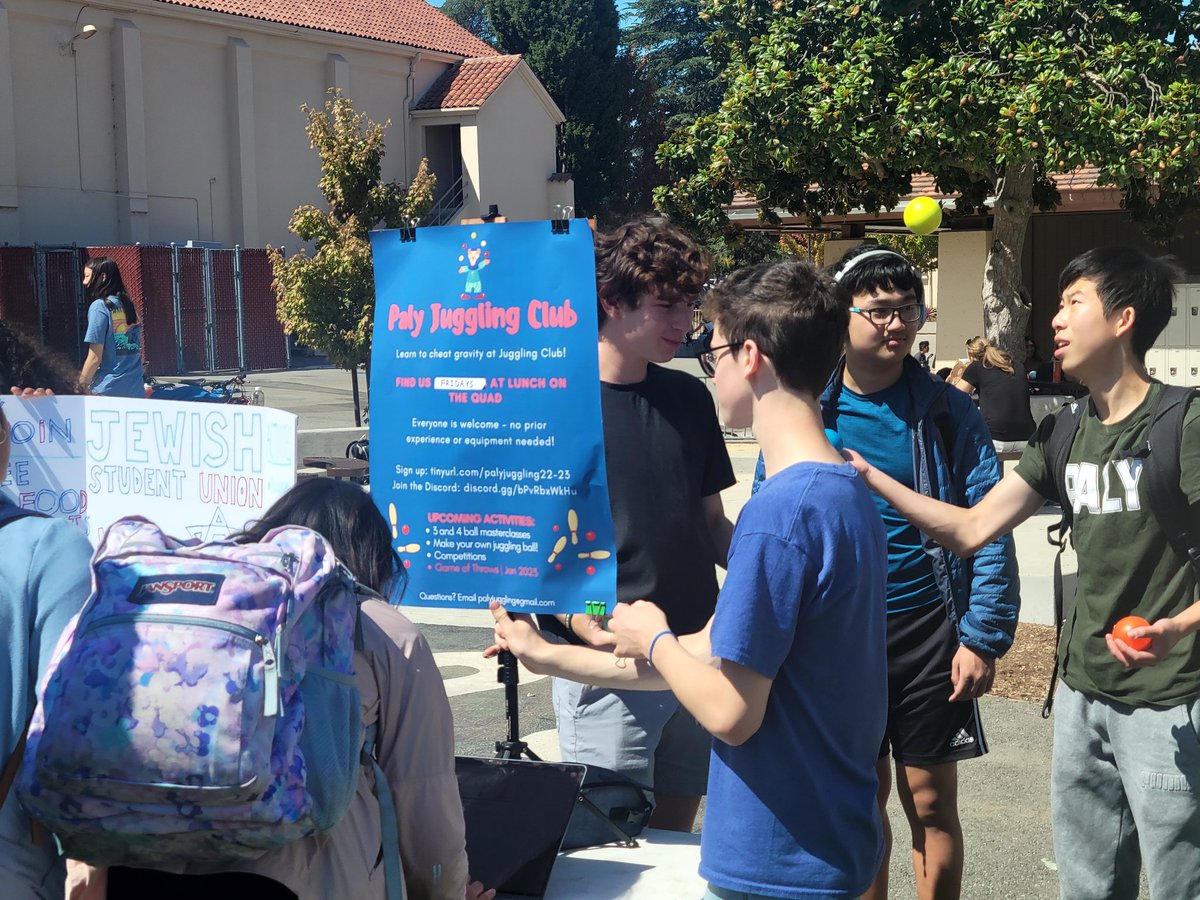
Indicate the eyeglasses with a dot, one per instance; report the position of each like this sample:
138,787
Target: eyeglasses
882,315
708,359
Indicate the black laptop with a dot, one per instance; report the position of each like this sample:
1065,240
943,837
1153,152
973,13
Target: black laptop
517,813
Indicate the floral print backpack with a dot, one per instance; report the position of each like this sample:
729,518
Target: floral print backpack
202,705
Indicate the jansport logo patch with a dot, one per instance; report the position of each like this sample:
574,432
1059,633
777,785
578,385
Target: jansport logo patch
194,590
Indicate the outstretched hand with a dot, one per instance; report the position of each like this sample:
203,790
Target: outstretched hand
861,466
28,393
1164,635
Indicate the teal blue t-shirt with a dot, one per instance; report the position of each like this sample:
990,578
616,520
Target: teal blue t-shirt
120,373
876,425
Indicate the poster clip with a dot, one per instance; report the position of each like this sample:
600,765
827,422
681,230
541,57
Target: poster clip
408,232
561,223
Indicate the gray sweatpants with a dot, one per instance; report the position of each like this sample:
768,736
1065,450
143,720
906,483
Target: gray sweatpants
1125,790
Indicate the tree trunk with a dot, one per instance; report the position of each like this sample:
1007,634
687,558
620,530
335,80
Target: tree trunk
1006,303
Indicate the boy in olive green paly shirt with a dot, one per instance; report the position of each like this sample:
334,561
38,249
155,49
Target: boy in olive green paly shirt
1125,774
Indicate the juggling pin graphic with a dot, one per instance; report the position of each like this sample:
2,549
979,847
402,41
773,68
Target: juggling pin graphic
392,516
573,524
409,548
559,545
595,554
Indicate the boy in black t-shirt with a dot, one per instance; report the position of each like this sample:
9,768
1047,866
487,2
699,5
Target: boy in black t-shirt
667,466
1125,773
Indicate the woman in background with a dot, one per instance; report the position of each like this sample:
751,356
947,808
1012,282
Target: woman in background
1003,394
114,335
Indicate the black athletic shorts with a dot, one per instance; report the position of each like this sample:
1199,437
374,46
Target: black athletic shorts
923,727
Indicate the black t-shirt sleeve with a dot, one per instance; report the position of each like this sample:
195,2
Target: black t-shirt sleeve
973,374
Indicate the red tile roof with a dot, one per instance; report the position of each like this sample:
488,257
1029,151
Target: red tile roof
468,84
411,22
1081,179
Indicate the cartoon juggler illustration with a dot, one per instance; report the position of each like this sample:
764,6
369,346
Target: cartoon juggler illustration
473,259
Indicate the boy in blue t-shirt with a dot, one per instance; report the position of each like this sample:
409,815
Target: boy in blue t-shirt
791,797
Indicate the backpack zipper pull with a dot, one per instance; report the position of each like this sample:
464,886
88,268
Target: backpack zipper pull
270,678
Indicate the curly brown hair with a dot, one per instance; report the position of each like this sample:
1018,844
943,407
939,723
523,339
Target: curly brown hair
26,363
640,258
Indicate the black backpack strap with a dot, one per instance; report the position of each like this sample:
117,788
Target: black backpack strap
1162,473
1057,450
12,513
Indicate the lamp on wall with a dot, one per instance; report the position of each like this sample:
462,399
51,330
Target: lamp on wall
83,34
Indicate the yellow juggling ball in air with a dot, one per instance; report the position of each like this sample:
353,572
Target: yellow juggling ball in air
922,215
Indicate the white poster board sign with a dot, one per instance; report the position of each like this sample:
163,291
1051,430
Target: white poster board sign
197,470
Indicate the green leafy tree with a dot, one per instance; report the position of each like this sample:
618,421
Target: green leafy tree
732,248
326,298
471,15
835,104
571,45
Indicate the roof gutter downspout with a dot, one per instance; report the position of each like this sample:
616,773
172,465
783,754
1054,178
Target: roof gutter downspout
409,99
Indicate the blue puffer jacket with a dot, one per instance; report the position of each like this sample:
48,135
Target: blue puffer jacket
982,593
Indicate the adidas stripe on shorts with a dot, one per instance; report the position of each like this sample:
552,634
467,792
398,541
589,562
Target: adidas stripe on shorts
923,727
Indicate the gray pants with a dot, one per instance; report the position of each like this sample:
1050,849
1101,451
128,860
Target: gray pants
1125,790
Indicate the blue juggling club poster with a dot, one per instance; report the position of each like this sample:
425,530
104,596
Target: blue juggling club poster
487,448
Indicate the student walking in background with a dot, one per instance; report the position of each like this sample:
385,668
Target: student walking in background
924,357
113,366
